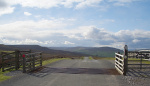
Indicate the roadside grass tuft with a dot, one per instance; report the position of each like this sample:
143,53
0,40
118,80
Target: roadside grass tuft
90,57
3,77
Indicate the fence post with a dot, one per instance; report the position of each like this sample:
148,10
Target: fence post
2,62
40,59
125,59
17,59
30,51
33,61
140,62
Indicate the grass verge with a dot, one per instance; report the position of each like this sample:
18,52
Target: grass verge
106,58
52,60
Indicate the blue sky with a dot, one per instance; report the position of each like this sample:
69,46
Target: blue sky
71,23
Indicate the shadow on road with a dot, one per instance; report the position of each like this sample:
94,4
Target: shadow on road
48,70
144,73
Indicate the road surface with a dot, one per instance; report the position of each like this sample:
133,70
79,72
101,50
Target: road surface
84,72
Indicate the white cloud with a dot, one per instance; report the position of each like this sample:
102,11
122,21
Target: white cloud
56,3
135,41
36,3
33,25
32,29
96,34
68,43
122,2
27,14
8,6
26,41
87,3
6,10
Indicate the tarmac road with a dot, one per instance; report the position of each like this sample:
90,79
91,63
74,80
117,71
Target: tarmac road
71,73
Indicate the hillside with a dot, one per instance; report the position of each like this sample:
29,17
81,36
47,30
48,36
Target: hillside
93,51
47,53
65,51
6,48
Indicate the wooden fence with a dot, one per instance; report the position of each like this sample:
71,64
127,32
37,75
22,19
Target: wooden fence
8,61
16,60
31,61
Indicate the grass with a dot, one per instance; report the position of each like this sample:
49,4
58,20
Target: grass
3,77
91,58
52,60
6,51
106,58
143,61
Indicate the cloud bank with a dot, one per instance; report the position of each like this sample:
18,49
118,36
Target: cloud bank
48,33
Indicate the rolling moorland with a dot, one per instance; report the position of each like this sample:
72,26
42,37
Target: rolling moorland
53,52
46,52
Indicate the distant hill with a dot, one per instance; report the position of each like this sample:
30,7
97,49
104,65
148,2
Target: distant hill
47,53
93,51
65,51
6,48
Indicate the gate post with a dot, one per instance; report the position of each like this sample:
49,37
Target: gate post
125,59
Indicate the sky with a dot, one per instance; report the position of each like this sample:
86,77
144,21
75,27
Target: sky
72,23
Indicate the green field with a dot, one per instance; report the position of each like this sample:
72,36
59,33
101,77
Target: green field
138,60
105,58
